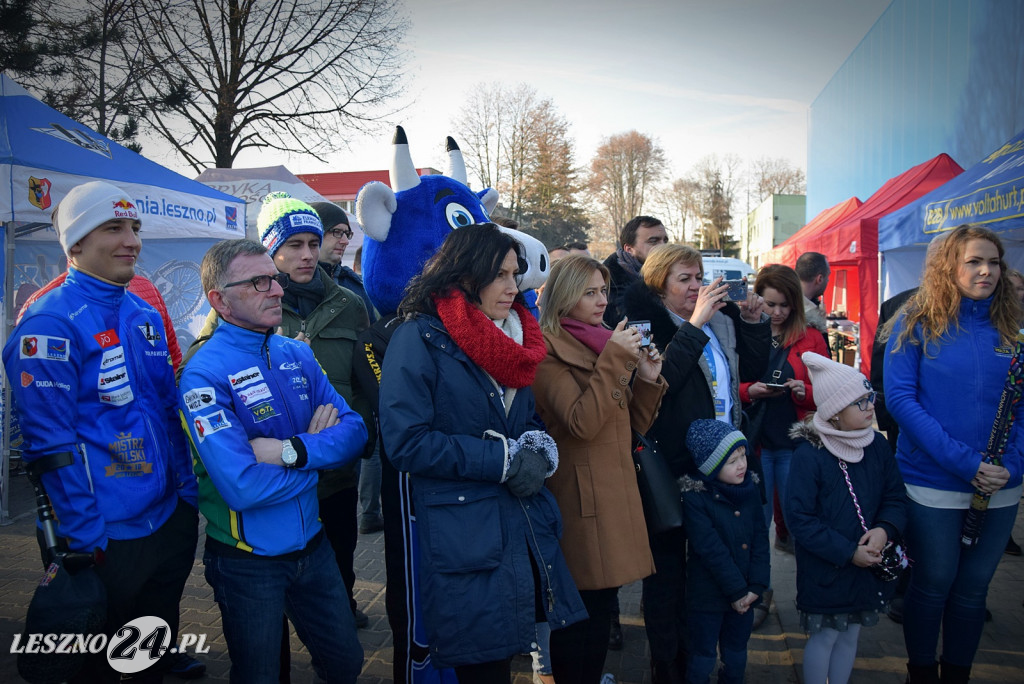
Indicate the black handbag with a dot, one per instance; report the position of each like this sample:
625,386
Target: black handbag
894,556
753,415
659,492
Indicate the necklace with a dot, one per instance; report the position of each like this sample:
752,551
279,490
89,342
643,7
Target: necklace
776,341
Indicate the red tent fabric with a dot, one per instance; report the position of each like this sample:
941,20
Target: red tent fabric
851,245
787,252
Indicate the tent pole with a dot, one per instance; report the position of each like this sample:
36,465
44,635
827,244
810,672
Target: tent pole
5,419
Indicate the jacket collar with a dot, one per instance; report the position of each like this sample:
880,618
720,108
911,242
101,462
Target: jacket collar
570,351
976,308
96,288
242,338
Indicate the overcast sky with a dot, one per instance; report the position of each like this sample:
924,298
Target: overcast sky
700,76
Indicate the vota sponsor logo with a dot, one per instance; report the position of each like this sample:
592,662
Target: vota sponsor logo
245,377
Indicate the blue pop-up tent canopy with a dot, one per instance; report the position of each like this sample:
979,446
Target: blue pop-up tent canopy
43,155
990,193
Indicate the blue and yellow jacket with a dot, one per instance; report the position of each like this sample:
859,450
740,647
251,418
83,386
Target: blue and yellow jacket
243,384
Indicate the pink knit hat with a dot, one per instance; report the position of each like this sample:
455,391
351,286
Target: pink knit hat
836,385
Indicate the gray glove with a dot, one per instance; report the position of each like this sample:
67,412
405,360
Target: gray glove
526,473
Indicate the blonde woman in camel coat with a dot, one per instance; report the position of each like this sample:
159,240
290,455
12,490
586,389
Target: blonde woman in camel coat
592,390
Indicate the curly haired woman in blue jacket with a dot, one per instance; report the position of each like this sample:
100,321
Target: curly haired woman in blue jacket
845,502
945,365
457,415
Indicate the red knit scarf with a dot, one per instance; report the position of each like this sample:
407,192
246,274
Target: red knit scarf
510,363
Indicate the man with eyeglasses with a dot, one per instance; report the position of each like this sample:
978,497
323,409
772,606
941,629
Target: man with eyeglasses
263,418
337,236
90,369
637,238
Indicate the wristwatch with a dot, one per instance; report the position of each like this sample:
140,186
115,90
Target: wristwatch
288,454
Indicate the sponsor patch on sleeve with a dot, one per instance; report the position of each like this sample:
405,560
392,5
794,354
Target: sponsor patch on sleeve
207,425
200,398
44,347
245,377
254,394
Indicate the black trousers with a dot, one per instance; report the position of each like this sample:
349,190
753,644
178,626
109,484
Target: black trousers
579,650
144,576
338,515
497,672
664,595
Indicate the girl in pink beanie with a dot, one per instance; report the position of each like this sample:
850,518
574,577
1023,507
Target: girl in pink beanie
845,502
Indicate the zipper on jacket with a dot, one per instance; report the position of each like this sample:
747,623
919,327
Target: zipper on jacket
540,559
284,404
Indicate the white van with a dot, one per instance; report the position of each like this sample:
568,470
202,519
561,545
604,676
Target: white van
732,268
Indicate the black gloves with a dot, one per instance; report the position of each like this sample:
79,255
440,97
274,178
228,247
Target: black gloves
527,472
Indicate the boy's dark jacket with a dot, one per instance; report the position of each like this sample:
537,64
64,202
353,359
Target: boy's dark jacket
821,517
728,542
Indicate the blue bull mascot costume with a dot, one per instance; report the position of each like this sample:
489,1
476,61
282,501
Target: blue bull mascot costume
404,225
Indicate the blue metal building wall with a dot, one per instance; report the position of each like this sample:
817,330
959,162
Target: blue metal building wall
931,76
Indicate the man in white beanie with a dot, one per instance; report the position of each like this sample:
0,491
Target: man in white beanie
91,373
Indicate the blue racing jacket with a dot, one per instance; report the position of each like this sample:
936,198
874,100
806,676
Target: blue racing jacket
243,384
91,374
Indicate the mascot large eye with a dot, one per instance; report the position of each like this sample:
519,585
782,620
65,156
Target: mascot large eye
458,216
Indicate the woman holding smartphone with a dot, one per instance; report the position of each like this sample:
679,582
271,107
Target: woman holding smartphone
710,344
594,387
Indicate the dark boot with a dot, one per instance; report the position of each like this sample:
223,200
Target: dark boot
954,674
665,672
681,662
923,674
615,635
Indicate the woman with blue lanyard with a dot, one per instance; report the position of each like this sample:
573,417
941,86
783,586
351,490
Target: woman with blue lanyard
710,344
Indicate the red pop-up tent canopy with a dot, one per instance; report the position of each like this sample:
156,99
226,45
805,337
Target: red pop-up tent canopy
788,251
850,244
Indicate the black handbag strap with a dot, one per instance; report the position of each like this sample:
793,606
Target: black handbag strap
777,360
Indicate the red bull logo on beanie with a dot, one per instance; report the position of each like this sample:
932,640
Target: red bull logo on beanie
125,209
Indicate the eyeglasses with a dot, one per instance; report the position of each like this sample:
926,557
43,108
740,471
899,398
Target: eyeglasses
262,283
865,402
338,232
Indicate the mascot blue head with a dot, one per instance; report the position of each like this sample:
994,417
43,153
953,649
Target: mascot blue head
406,223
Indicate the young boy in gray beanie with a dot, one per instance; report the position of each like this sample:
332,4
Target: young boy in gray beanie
728,566
846,501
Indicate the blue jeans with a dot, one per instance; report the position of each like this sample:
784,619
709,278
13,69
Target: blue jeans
709,633
254,592
775,466
948,585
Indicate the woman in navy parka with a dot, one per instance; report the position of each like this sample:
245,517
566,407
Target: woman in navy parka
457,415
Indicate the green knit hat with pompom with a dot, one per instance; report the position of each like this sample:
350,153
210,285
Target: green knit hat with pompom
282,216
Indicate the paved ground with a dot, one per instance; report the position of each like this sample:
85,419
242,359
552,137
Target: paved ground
775,650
